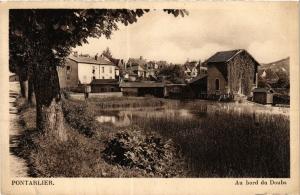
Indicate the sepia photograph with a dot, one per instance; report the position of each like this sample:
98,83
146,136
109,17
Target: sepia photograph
151,93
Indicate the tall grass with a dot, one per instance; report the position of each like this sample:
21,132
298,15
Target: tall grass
229,144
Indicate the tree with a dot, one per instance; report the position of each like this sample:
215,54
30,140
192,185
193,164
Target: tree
173,73
107,53
44,38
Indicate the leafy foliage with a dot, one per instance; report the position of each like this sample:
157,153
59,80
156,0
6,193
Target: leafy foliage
149,153
107,53
79,118
173,73
57,31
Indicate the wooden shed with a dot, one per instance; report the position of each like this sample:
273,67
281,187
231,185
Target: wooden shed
142,88
263,95
104,85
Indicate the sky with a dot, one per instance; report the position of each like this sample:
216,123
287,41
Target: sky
262,31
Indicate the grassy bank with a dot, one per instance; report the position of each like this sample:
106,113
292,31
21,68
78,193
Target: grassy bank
229,144
216,145
82,155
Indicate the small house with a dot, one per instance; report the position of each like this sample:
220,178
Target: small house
198,86
263,95
231,73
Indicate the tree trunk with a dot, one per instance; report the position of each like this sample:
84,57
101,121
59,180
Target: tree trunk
49,115
22,74
23,88
30,90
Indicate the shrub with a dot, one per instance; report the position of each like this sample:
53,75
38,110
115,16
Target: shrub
79,117
147,152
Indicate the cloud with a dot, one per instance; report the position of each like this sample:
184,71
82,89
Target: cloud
159,36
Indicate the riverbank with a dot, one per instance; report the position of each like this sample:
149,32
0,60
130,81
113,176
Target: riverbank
93,154
214,141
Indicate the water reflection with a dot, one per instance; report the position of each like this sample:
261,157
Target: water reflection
186,110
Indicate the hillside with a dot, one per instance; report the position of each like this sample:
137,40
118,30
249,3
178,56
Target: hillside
280,65
275,75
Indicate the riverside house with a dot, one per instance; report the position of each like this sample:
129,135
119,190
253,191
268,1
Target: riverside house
82,70
229,74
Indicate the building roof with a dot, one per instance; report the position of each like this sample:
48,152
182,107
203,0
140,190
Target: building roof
199,77
137,62
141,84
88,60
225,56
262,90
191,65
104,81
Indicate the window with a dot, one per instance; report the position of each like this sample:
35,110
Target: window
110,69
102,69
68,68
217,84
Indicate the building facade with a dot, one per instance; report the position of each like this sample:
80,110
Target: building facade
231,73
80,70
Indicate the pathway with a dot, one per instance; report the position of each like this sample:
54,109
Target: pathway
17,166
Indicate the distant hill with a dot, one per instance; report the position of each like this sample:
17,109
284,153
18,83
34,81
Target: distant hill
280,65
275,75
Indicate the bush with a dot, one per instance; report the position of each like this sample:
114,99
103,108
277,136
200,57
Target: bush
147,152
79,117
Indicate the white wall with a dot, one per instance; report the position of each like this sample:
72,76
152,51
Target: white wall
85,72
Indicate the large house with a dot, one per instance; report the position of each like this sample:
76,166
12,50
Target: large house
228,73
80,70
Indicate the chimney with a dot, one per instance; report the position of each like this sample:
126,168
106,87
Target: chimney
75,53
96,56
141,57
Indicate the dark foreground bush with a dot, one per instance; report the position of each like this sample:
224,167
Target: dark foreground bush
149,153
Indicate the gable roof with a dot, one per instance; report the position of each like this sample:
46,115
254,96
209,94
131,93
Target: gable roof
88,60
141,84
104,81
223,56
262,90
199,77
136,61
191,65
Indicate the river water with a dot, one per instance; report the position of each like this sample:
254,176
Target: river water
186,110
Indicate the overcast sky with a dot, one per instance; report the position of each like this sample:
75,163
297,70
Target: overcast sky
262,32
